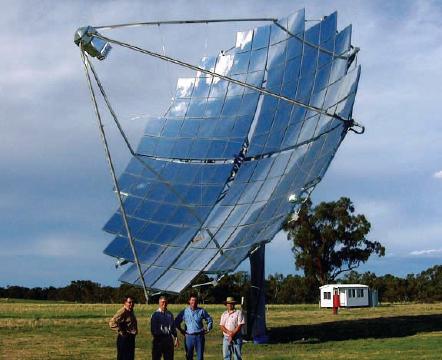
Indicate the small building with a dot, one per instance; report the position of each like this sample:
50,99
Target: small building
350,295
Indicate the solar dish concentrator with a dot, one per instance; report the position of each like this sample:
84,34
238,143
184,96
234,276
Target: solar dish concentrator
215,173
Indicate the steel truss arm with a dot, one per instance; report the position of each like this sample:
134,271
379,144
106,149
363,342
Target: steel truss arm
350,122
86,64
180,22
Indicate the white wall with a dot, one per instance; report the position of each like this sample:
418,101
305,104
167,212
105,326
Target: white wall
327,302
343,297
348,296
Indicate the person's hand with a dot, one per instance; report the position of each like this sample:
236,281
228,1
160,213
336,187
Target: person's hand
177,342
206,331
230,339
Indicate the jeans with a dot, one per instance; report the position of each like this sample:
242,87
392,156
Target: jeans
232,349
194,342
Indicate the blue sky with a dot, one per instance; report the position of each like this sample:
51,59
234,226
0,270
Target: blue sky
56,192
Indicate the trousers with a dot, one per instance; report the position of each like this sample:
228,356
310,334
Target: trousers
162,346
126,347
232,349
194,342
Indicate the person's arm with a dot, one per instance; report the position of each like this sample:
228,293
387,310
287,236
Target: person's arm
178,321
208,319
225,330
135,325
114,323
153,324
236,331
173,332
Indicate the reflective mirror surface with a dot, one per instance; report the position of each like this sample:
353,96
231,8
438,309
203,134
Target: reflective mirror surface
217,170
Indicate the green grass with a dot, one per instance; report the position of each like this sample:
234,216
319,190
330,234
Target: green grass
43,330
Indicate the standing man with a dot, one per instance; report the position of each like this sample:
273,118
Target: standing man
194,332
125,323
231,322
162,327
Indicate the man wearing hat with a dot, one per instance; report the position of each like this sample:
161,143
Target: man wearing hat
231,322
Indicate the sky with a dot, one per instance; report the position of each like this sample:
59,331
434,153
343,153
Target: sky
55,187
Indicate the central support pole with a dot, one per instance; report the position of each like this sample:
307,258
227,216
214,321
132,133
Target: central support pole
256,309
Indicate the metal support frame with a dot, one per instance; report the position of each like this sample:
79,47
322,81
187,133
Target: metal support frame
86,64
350,122
209,21
181,22
257,257
138,157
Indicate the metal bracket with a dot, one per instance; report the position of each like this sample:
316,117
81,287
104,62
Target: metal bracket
214,282
120,262
94,46
354,125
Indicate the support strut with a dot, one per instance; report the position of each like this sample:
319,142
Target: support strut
112,170
256,311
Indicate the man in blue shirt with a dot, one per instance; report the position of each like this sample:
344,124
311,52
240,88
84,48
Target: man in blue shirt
194,332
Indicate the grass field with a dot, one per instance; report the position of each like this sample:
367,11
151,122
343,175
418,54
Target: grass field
42,330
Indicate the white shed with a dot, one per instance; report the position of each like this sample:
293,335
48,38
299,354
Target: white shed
350,295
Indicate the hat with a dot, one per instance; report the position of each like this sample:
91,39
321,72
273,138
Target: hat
230,300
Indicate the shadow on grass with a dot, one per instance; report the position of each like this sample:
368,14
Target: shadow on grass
384,327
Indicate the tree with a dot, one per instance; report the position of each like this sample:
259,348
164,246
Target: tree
429,284
330,239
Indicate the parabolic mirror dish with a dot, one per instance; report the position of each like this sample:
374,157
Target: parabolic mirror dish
217,170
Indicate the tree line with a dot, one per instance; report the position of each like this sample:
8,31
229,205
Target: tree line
290,289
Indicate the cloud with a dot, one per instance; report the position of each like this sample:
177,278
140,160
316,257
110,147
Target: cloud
428,252
438,175
398,90
405,237
63,245
55,189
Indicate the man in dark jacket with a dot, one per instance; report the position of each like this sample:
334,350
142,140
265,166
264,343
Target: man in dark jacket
162,327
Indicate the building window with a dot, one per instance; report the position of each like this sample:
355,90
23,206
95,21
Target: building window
351,293
360,292
327,295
